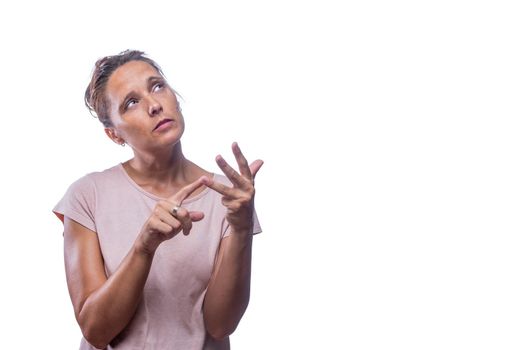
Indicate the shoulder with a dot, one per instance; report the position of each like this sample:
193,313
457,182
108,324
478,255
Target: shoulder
83,184
89,182
115,172
80,200
99,177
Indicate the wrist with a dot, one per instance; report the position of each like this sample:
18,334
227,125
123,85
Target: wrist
242,229
243,232
143,249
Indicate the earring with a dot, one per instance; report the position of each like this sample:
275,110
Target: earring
123,144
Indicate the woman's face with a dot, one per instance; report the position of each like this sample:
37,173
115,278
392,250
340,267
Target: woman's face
143,108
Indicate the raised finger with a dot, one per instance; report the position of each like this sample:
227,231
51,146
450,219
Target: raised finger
186,191
255,166
243,166
231,173
220,188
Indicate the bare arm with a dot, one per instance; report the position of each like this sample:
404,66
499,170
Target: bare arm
228,291
104,306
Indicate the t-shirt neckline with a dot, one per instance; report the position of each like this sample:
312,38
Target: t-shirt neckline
155,197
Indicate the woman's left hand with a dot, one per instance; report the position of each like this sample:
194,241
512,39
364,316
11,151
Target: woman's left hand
239,199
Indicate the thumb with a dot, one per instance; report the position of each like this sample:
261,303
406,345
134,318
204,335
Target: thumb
196,215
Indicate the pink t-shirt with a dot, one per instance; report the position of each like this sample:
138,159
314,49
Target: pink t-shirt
169,315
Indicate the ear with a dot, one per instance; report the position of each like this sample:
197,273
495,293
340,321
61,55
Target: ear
113,135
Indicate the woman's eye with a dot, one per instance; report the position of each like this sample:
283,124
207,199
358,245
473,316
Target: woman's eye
131,103
158,86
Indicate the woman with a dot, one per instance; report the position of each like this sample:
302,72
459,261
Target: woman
134,280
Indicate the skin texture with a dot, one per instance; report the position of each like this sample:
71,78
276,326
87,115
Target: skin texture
139,99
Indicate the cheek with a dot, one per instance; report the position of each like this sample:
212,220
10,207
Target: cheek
129,129
170,100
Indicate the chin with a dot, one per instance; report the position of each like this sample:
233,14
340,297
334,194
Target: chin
173,137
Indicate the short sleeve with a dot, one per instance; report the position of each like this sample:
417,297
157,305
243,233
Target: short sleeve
78,203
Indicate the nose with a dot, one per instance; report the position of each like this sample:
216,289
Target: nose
155,107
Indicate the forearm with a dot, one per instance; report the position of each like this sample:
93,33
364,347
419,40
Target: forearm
227,295
109,309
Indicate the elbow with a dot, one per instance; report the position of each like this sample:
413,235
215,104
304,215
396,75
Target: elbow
219,329
220,333
92,332
222,322
95,337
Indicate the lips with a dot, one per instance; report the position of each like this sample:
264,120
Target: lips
162,122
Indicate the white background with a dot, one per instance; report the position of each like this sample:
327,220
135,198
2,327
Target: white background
392,132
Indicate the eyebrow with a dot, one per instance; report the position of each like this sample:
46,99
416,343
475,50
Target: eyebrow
149,80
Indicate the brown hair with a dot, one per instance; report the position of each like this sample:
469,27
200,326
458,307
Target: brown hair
95,98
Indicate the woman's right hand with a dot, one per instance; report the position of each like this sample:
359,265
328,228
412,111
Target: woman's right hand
163,224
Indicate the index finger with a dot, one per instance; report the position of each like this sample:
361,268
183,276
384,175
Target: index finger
186,191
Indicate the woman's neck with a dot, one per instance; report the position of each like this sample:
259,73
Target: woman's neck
165,169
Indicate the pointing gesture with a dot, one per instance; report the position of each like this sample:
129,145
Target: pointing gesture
169,218
238,199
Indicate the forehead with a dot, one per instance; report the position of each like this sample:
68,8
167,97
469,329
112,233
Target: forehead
130,76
